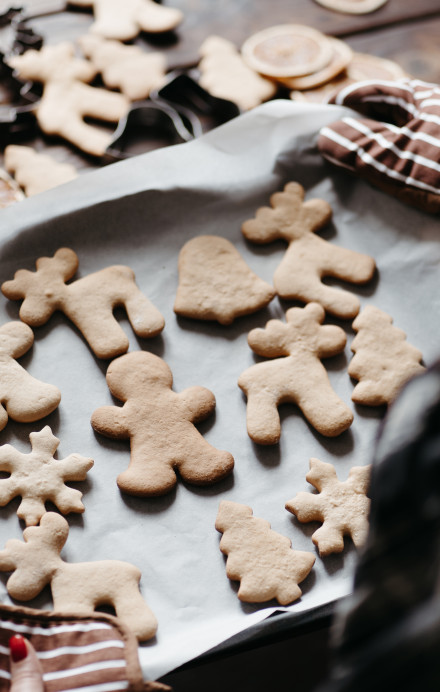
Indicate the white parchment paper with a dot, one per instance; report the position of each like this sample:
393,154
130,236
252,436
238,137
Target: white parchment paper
140,213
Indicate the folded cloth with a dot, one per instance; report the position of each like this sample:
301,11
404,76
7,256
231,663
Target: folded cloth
96,653
397,146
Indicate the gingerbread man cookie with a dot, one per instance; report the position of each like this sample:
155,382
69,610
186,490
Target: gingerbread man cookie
124,20
384,361
160,426
36,172
342,507
89,302
77,588
309,258
38,477
261,559
298,377
23,398
215,283
66,100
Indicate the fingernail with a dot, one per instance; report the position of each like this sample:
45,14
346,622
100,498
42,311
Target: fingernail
18,649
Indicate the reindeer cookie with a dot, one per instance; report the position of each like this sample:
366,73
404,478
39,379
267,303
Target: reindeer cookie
89,302
298,377
309,258
160,426
77,588
66,100
38,477
22,397
124,20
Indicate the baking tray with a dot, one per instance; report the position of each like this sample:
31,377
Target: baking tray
140,212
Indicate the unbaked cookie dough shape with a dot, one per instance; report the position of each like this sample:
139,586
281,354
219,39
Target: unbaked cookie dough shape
23,398
160,426
384,361
261,559
297,377
341,506
78,588
309,258
89,302
124,19
36,172
215,283
38,477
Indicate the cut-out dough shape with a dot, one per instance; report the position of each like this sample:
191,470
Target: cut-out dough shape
223,73
128,68
77,588
261,559
67,100
36,172
38,477
384,361
124,19
23,398
309,258
10,191
298,377
352,6
342,507
89,302
215,283
160,426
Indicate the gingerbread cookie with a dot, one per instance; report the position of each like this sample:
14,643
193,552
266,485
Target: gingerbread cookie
124,20
23,398
352,6
262,560
77,588
38,477
127,68
298,377
384,361
309,258
36,172
215,283
160,426
89,302
341,57
67,100
342,507
224,74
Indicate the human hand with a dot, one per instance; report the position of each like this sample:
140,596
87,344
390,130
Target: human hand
26,672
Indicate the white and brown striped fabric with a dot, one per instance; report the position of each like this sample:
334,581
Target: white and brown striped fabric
397,145
77,654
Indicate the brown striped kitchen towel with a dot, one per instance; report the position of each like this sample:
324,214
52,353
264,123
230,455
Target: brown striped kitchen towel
78,654
397,145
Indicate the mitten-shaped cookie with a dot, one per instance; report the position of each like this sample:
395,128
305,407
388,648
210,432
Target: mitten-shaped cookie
89,302
23,398
160,426
309,258
383,359
262,560
66,100
342,507
215,283
77,588
124,20
298,377
38,477
395,147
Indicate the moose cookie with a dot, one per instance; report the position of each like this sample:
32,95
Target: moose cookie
342,507
262,560
215,283
384,361
89,302
36,172
77,588
160,426
309,257
297,377
22,397
38,477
